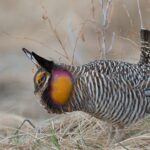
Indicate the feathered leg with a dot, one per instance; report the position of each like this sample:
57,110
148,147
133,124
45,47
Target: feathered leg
111,133
119,134
115,135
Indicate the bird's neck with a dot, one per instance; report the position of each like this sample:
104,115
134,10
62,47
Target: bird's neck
75,70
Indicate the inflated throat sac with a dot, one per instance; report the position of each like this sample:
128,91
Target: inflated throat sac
61,86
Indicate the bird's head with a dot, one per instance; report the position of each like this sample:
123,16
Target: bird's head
52,83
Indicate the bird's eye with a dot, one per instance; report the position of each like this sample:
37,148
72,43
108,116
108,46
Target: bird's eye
41,77
42,80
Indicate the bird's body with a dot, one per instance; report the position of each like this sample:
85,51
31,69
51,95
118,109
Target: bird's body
109,90
111,99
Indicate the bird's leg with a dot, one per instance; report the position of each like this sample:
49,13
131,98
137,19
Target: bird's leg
111,133
115,134
119,134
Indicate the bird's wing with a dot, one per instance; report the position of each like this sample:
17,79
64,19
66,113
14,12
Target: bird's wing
117,82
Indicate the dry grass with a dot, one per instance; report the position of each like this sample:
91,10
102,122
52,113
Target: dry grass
76,131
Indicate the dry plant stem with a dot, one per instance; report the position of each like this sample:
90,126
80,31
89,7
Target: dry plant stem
123,146
10,137
93,9
79,35
45,17
131,41
103,47
139,10
33,40
112,42
102,42
26,120
99,32
128,14
77,39
58,38
105,12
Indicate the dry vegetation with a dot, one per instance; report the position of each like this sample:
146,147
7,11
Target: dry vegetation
73,131
78,131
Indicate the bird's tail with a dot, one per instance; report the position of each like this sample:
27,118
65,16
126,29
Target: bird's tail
145,47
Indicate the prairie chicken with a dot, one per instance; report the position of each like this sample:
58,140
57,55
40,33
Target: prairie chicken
115,92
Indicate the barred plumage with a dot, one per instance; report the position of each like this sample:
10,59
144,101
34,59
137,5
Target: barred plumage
111,99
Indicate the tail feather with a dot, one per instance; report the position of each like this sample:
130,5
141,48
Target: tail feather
145,47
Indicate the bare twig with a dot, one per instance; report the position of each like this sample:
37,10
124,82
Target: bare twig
26,120
128,14
93,9
131,41
33,40
139,10
46,18
103,44
105,13
112,42
123,146
107,10
74,38
58,38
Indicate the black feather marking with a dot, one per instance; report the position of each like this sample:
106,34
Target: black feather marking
145,46
44,63
145,35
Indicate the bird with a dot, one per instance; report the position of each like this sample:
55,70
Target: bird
113,91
